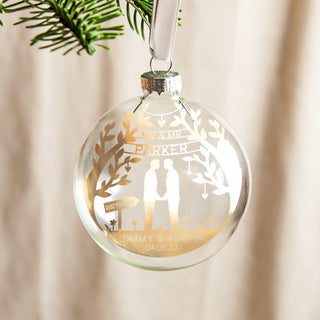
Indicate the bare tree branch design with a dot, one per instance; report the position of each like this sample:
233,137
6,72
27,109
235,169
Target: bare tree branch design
229,180
211,175
105,156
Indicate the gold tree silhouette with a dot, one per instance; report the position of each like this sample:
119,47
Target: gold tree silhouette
207,223
113,222
105,156
135,223
215,219
186,220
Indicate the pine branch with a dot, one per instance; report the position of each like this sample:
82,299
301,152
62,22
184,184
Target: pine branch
71,24
143,8
1,11
79,24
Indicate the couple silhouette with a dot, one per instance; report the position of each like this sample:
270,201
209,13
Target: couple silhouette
151,195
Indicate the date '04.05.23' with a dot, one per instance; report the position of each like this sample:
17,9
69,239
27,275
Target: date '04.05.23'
161,247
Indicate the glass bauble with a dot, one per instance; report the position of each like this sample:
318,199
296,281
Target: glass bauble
161,182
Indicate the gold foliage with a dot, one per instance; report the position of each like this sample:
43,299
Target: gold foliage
115,155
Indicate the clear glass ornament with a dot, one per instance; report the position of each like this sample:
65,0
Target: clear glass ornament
161,182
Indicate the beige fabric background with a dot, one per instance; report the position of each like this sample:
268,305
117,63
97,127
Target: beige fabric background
258,64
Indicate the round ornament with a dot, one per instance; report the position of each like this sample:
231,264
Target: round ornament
161,182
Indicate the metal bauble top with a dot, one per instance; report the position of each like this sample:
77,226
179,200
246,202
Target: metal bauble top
161,81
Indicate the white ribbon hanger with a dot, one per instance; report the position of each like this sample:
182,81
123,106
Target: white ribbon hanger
163,28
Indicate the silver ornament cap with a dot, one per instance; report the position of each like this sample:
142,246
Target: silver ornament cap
161,81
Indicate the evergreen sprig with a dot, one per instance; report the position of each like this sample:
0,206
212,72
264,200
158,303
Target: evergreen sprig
142,8
1,11
79,24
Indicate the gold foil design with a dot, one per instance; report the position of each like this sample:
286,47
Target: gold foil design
165,243
115,153
128,147
119,205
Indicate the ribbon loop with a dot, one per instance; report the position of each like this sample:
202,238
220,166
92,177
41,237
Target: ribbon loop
163,28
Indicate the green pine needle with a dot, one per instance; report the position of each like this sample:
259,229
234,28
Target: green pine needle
79,24
70,24
143,8
1,11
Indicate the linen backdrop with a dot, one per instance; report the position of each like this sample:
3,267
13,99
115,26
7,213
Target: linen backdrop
258,64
